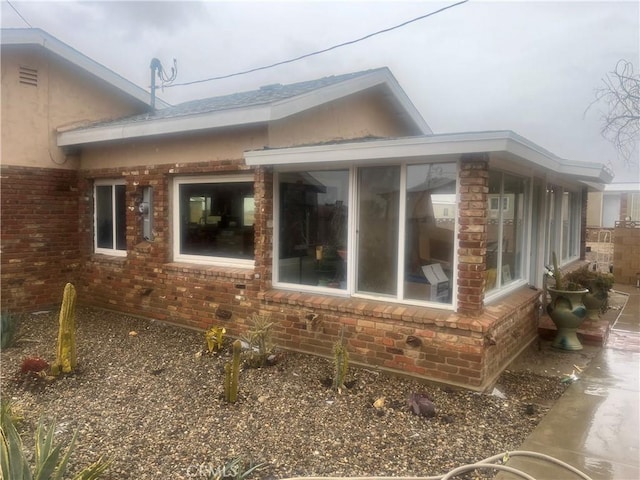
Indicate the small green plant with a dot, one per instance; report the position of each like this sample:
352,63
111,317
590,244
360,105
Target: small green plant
8,329
259,341
340,363
66,359
50,461
231,374
214,337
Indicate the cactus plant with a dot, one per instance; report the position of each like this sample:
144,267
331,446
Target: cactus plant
66,352
231,374
341,364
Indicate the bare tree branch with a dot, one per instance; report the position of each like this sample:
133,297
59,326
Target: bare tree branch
620,94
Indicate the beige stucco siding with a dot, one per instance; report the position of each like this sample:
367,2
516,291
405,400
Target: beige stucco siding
211,147
365,114
64,95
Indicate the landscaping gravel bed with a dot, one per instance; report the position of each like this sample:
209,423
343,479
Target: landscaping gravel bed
149,397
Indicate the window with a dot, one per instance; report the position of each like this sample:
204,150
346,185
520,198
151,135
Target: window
506,241
383,232
215,220
110,217
563,235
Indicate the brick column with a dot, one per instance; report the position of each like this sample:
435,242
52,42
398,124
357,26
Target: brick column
263,194
472,233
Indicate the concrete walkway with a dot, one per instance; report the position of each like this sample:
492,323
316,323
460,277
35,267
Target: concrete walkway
595,425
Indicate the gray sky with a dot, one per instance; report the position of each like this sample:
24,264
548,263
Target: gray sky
531,67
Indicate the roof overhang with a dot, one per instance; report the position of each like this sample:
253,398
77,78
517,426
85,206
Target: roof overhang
251,115
505,145
38,37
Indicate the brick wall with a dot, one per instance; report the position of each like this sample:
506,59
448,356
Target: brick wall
435,345
39,236
146,282
467,348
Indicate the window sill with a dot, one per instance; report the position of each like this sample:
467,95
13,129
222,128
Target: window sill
111,259
366,307
245,274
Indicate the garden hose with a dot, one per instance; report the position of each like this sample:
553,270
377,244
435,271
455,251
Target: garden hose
487,463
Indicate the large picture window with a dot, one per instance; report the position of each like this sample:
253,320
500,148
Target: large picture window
383,231
215,219
505,230
110,217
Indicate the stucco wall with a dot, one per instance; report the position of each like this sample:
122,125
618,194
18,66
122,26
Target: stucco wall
63,96
218,148
362,115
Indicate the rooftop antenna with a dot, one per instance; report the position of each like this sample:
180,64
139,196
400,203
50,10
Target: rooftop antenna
157,69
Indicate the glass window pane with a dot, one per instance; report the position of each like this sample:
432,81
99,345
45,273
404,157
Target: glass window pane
377,236
216,219
104,216
512,244
493,230
314,208
121,217
429,231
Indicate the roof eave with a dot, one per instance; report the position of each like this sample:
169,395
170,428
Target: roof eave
142,129
417,148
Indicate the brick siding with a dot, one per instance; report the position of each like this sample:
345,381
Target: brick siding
39,236
468,348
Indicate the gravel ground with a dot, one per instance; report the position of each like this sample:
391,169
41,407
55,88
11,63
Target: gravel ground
152,402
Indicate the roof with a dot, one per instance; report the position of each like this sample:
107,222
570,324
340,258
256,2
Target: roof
505,147
268,103
38,37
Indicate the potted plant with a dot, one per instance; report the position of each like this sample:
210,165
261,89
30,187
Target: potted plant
598,284
566,310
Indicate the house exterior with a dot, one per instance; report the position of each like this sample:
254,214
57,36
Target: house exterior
329,205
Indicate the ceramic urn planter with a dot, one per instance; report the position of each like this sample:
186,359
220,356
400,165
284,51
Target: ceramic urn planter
567,311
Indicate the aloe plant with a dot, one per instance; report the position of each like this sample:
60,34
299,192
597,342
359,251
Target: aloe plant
8,329
50,460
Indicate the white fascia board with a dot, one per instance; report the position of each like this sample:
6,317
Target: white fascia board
297,104
405,148
415,148
164,126
35,36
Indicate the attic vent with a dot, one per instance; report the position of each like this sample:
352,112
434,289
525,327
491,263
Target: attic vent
28,76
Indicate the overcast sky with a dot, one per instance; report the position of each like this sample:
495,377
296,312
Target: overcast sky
531,67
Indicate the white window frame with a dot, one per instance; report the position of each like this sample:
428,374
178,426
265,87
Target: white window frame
502,290
352,217
175,216
102,250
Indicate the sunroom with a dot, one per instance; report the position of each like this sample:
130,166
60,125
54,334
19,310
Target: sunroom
429,251
383,219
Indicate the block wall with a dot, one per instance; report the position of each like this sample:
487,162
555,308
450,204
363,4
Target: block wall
39,236
626,252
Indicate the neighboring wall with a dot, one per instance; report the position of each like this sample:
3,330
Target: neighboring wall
626,253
